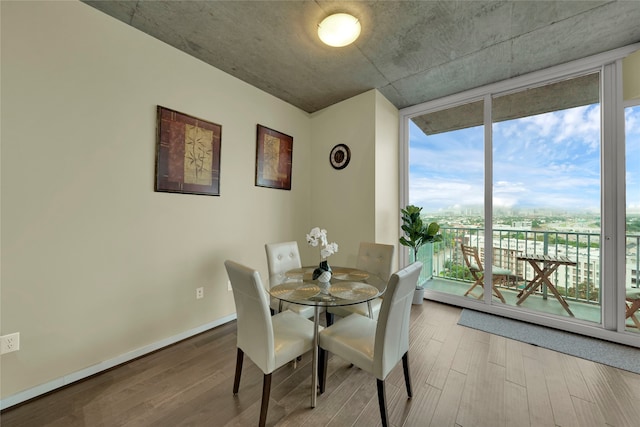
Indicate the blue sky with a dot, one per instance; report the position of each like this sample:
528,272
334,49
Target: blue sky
549,161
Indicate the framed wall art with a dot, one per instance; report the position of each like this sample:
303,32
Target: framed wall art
187,154
274,151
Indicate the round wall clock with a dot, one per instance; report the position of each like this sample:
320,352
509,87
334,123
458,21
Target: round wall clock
340,156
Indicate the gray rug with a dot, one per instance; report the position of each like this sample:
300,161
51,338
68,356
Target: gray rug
605,352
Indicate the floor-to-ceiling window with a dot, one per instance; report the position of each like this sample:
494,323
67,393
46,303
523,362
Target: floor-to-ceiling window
546,196
446,179
516,171
632,215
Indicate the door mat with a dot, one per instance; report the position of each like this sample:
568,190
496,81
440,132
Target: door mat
600,351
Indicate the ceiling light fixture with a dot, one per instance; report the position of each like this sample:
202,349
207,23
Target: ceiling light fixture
339,29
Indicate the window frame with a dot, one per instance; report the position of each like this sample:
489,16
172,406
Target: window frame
609,65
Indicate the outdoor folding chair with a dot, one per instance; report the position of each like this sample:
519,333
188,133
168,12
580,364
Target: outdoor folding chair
472,259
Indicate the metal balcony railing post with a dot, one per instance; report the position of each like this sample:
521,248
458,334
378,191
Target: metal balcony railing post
545,248
637,262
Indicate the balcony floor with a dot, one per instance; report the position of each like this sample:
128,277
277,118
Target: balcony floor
582,311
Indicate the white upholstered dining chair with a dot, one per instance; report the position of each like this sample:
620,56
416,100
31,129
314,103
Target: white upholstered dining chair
282,257
376,346
376,258
269,341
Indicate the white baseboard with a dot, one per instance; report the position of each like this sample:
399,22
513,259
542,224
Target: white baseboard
36,391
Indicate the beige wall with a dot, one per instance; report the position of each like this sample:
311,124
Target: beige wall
96,266
344,201
387,185
631,76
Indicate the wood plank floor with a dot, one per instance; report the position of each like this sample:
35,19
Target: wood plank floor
461,377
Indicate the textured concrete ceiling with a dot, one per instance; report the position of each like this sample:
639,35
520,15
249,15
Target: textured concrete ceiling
411,51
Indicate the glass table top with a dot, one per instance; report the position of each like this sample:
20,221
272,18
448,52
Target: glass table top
348,286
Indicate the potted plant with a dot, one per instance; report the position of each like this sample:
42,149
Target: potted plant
416,234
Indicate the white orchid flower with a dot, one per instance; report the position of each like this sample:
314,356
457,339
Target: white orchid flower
319,236
329,249
323,237
312,241
312,237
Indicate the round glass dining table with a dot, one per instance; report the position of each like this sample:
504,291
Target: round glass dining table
348,286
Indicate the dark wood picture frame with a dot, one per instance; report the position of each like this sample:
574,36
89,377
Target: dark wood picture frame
274,153
187,154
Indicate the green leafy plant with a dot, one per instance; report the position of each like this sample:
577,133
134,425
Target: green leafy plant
416,231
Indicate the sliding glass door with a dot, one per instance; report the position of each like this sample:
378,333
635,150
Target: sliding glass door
632,244
546,197
446,176
527,173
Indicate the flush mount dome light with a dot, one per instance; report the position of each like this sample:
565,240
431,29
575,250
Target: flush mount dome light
339,29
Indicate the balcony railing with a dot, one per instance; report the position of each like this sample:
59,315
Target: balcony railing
581,282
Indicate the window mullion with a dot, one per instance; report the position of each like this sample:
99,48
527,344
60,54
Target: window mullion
488,200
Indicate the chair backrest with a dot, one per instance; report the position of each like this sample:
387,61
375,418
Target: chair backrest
392,331
255,330
471,258
376,258
281,257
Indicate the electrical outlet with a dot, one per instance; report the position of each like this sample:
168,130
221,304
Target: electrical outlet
9,343
229,288
199,293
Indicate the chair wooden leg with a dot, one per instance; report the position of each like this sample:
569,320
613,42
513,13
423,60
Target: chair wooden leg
478,282
383,404
323,364
498,294
266,391
633,305
407,377
236,381
329,317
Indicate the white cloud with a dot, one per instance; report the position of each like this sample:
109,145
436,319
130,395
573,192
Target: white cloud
579,123
632,121
436,194
551,160
541,124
